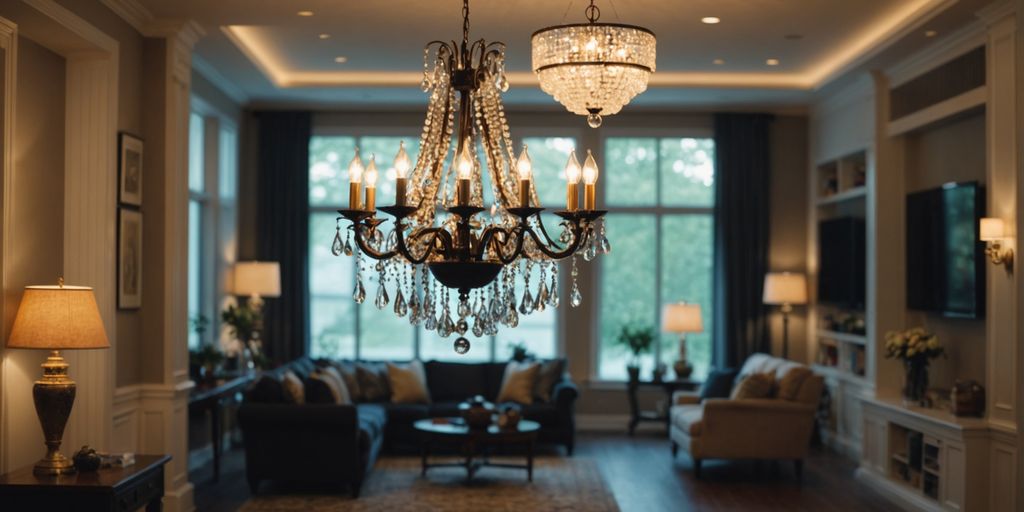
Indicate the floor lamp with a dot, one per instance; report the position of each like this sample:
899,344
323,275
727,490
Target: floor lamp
785,289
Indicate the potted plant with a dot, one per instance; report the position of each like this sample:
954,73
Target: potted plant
519,352
915,348
244,322
638,340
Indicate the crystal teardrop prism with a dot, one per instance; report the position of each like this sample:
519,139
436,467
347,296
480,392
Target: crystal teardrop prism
359,293
526,306
478,327
430,322
576,299
462,326
553,299
337,248
445,326
348,246
464,309
382,297
401,308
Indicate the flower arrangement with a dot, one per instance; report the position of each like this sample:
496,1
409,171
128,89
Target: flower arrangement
913,345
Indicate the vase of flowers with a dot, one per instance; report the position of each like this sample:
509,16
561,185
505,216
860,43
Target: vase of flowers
638,340
915,348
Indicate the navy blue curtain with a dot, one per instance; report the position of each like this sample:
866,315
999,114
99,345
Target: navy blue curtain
282,229
742,180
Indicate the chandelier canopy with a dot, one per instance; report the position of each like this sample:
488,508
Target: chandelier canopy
594,69
440,223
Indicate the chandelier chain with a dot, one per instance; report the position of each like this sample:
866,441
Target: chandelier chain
465,21
593,12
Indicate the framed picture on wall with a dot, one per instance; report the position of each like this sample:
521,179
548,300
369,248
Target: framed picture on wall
129,259
130,168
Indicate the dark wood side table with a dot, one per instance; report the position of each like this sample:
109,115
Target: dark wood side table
109,489
211,398
669,386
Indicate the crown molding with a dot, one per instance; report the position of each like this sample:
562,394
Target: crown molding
956,44
131,11
992,14
139,17
214,76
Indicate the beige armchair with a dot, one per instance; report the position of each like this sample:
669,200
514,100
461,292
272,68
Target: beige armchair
765,428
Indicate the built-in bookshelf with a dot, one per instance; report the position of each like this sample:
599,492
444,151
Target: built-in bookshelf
842,179
915,460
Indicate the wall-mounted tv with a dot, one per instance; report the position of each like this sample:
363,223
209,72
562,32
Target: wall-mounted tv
945,261
841,256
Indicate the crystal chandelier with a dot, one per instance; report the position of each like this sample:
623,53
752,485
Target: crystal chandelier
443,238
593,69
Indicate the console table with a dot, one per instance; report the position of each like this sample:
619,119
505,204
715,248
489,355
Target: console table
669,386
211,398
109,489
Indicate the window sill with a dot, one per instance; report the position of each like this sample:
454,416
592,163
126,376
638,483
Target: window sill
606,385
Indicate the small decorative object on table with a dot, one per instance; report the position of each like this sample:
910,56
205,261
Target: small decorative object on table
87,460
510,416
916,348
682,318
658,374
967,398
638,339
477,412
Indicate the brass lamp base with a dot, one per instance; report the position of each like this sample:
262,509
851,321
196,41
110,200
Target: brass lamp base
54,395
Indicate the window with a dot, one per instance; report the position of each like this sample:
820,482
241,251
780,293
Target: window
197,200
660,193
340,328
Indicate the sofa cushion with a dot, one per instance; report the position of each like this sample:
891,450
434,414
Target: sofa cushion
718,383
372,419
493,375
294,390
764,363
789,385
373,382
548,375
517,384
406,413
347,370
408,383
266,390
454,381
319,390
755,385
688,418
544,413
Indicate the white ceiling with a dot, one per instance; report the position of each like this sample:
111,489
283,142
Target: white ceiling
268,54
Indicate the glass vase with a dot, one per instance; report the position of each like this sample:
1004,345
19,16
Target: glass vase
915,384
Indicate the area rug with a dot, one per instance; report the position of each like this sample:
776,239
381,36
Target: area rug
559,484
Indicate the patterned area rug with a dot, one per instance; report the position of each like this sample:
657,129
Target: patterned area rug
559,484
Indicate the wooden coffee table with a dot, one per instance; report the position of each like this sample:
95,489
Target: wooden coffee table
474,443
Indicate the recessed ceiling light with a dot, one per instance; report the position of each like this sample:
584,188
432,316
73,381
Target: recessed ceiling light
324,36
341,59
710,20
772,62
718,62
930,33
305,13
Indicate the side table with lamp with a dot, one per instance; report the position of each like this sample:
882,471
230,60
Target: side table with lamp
785,289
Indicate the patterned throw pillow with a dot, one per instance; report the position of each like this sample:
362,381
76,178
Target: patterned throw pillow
755,385
518,382
408,383
548,375
373,382
347,370
294,392
789,384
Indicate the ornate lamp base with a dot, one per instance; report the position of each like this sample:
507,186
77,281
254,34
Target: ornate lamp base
54,395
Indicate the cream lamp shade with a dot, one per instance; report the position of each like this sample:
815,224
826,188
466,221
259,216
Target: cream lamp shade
991,229
681,318
258,278
785,288
58,318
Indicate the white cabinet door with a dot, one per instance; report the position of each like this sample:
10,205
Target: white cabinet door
952,475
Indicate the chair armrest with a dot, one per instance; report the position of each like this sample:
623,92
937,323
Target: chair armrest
304,417
755,405
565,393
686,398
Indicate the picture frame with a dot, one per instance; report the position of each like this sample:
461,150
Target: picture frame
129,163
129,259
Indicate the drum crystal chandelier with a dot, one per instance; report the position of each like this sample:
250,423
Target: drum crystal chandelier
443,238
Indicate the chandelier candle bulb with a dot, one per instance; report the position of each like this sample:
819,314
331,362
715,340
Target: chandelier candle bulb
355,178
572,178
525,169
402,166
590,174
371,185
465,169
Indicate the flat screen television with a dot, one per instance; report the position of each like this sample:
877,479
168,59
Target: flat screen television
945,261
841,256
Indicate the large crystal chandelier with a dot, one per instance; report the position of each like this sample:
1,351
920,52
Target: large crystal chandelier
442,238
593,68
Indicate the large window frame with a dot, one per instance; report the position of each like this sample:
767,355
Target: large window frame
659,212
411,137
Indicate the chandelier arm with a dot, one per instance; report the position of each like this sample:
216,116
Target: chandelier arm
501,237
554,253
365,246
437,238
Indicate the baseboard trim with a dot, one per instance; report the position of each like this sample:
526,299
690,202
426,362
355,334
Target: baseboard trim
618,423
896,493
180,499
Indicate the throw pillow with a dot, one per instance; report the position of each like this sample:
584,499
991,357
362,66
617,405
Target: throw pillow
518,382
338,388
319,390
549,374
347,371
718,383
408,383
373,383
755,385
267,390
294,392
789,384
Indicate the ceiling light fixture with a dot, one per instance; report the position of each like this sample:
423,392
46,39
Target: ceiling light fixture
324,36
718,62
442,240
772,62
341,59
593,68
305,14
710,20
930,33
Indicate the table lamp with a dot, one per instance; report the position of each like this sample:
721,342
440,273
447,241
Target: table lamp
682,318
785,289
257,279
56,318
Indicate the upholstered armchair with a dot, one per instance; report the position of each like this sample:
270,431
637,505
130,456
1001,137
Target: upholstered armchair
749,428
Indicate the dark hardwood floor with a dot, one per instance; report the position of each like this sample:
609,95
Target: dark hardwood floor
644,477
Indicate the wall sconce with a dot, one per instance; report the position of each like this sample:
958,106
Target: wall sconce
992,231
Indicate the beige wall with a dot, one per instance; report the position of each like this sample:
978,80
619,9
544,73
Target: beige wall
37,219
953,151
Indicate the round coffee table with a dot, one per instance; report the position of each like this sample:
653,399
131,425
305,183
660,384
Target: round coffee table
474,442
